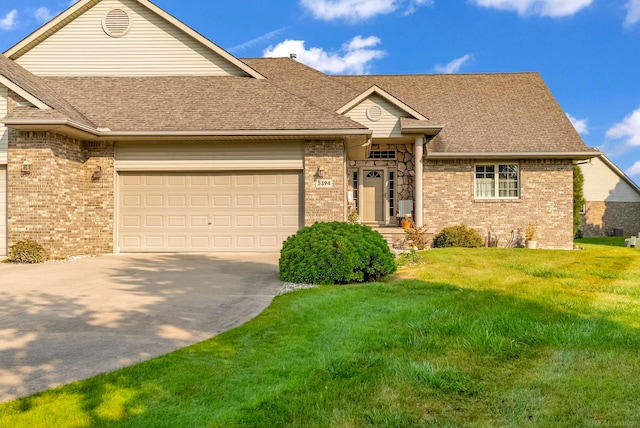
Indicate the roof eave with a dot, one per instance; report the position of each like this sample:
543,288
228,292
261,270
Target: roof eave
78,130
514,155
233,134
429,130
62,126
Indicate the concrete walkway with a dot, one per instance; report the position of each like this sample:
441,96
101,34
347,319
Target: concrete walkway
61,322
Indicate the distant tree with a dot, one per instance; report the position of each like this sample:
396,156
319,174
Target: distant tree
578,200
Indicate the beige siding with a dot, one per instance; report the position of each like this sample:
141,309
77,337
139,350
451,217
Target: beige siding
3,210
210,156
152,47
207,212
602,184
4,132
389,124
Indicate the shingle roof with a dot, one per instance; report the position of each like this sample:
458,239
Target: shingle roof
37,87
193,104
481,113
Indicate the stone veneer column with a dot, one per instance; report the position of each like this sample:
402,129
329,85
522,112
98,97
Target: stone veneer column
419,183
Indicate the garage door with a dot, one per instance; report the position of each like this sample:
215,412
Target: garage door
3,210
207,212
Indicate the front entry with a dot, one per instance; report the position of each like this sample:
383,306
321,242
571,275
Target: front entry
373,197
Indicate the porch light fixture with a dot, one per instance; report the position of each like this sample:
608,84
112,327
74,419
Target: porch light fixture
320,172
97,173
26,167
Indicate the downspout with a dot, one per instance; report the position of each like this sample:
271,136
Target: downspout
419,184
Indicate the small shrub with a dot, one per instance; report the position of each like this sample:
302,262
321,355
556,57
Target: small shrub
458,236
417,237
335,253
27,252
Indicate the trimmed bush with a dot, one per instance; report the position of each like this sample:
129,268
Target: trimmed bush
335,253
27,252
458,236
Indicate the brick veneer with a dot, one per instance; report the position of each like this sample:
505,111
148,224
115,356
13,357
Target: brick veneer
324,204
600,218
58,204
546,198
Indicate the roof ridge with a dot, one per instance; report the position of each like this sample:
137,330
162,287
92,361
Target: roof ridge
309,102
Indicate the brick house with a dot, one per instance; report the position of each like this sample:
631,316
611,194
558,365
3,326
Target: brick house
123,130
612,199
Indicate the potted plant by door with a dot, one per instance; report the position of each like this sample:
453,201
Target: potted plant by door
530,236
405,221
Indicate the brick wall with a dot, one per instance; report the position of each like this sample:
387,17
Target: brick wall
324,204
58,204
546,198
600,218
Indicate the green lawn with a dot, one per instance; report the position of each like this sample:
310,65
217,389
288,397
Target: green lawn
486,337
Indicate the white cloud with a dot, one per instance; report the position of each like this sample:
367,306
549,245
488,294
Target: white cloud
352,58
9,22
634,169
633,13
43,14
359,10
551,8
579,124
454,66
628,130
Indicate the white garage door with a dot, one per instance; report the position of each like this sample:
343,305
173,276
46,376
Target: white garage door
207,212
3,210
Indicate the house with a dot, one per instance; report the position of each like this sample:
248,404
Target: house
124,130
612,200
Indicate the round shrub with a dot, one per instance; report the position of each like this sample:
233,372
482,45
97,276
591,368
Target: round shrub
27,252
458,236
335,253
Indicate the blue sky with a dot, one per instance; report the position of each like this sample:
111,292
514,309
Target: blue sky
587,51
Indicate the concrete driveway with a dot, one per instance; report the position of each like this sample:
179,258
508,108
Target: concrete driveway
61,322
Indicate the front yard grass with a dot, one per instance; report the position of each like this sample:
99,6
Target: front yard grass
472,337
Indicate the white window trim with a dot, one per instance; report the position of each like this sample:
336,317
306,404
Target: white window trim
496,173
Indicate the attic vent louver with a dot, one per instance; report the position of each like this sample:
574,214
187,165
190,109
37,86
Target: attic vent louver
116,23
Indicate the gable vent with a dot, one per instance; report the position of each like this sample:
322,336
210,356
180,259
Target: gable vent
116,23
374,113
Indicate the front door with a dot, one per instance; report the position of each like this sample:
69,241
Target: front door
373,197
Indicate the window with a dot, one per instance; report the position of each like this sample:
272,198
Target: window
497,181
382,154
355,180
392,194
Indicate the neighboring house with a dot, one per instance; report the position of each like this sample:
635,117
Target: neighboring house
612,200
127,131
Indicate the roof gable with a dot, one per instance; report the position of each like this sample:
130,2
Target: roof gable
387,99
604,181
154,44
381,112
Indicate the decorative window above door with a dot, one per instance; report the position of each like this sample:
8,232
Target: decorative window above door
382,154
374,174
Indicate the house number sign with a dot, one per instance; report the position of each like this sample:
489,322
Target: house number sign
324,183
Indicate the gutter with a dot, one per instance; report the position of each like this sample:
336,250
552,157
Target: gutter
90,133
515,155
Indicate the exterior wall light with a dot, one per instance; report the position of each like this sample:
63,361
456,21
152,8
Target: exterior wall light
97,173
320,172
26,167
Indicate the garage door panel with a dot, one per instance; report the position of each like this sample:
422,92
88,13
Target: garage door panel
217,212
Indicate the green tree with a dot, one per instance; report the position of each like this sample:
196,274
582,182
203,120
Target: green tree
578,199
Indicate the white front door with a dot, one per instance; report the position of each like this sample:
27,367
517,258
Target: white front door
373,197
